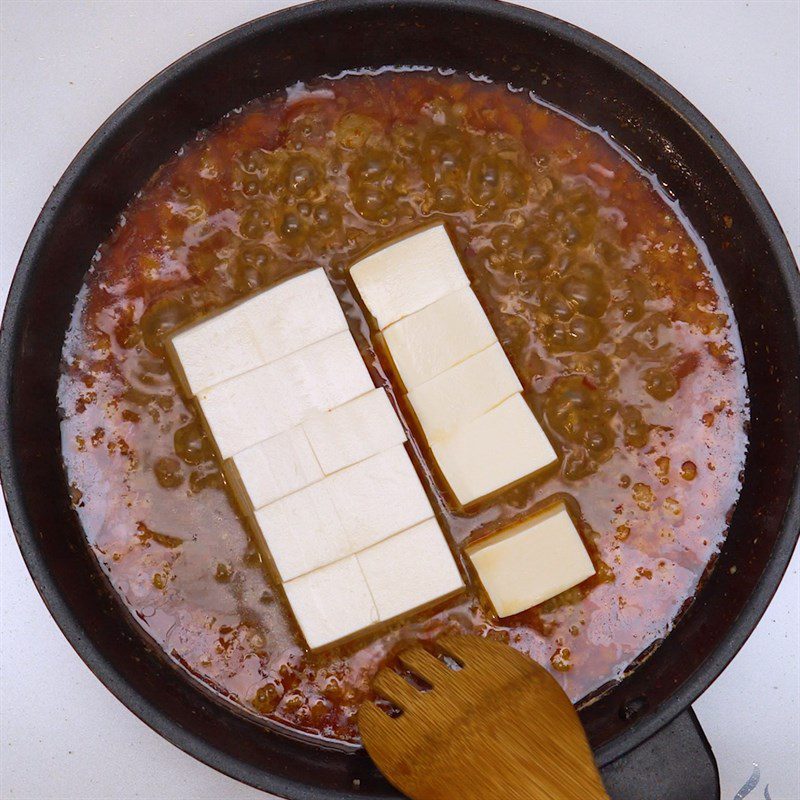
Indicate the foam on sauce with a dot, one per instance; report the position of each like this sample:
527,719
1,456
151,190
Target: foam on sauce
614,321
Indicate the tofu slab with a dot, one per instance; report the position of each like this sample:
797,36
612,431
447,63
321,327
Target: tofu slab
331,603
325,374
408,275
464,392
294,314
529,563
441,335
266,401
213,351
240,413
354,431
410,570
273,468
496,449
302,531
262,329
378,497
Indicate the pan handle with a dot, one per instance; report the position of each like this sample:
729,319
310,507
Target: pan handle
674,764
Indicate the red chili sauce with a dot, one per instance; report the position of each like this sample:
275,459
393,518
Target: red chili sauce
614,320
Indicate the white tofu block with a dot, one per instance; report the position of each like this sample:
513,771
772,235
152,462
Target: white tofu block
294,314
215,350
266,401
302,531
408,275
494,450
464,392
529,563
354,431
331,603
276,467
262,329
242,412
378,497
326,374
410,570
441,335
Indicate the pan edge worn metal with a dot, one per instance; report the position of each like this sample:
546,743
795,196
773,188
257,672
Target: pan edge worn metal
638,109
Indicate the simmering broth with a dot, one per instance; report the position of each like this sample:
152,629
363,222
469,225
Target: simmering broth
610,313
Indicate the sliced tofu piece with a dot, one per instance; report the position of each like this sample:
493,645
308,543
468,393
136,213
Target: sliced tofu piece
354,431
273,468
327,374
243,410
262,329
441,335
378,497
268,400
529,563
408,275
302,531
294,314
213,351
410,570
331,603
496,449
464,392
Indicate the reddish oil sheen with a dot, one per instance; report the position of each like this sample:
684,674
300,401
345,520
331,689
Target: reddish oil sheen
485,161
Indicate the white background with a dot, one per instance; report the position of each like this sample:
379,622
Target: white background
65,67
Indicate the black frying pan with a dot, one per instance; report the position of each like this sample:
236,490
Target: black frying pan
643,730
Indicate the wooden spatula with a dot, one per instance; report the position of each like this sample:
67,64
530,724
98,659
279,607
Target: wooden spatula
497,728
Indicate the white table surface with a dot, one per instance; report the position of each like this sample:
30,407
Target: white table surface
65,67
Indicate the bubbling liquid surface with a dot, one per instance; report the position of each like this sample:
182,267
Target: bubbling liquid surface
625,345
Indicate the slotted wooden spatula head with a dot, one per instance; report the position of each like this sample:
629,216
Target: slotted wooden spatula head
498,728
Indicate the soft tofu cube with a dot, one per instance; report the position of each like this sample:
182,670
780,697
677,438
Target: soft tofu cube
213,351
529,563
327,374
378,497
464,392
262,329
408,275
410,570
244,410
331,603
496,449
441,335
266,401
354,431
273,468
294,314
302,531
